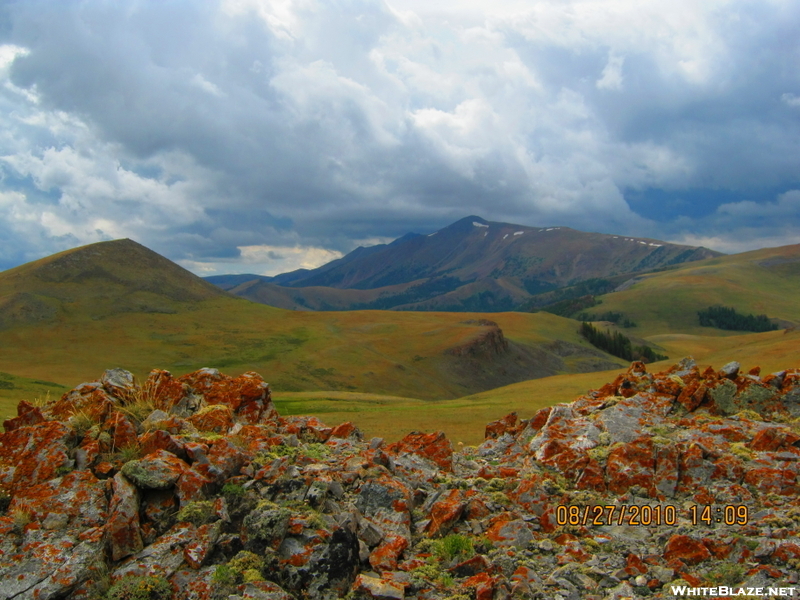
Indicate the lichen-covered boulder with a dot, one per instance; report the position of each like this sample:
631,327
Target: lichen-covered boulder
158,470
33,454
123,535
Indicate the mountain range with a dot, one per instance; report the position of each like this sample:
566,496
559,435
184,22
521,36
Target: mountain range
470,265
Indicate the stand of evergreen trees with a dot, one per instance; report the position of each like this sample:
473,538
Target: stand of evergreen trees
618,345
723,317
613,316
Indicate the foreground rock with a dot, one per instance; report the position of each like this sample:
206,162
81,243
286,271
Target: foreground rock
193,487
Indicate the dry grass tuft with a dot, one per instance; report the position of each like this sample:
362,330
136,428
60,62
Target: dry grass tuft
42,401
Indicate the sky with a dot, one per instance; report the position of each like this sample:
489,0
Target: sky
262,136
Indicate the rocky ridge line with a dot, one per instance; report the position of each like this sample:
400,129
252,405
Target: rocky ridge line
194,488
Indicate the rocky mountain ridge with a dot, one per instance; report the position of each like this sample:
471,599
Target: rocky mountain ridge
194,487
470,265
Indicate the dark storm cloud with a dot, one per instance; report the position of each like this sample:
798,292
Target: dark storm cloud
247,134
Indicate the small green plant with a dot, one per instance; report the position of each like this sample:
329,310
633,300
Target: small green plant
129,453
245,567
727,574
431,573
251,575
198,513
233,490
677,380
225,575
500,498
63,470
81,422
749,415
496,485
453,546
599,453
265,458
315,451
742,451
144,587
662,430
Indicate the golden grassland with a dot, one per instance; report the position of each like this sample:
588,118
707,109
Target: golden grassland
385,352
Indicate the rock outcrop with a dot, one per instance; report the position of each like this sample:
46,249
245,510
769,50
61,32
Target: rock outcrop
194,487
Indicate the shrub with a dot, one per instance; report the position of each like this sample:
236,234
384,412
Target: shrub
315,451
728,574
129,453
81,422
198,513
452,546
141,588
225,575
245,567
233,490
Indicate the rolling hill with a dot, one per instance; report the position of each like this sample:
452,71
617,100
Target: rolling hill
471,265
765,281
69,316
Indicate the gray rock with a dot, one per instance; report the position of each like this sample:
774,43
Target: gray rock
122,530
117,382
623,421
370,533
685,366
265,526
731,370
623,591
55,521
316,493
153,418
163,557
51,575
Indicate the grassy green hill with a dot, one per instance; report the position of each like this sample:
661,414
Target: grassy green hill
764,281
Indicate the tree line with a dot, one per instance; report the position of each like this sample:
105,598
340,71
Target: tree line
723,317
618,345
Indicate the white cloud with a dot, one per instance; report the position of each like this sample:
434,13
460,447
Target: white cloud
611,78
265,259
786,205
790,99
742,240
205,85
